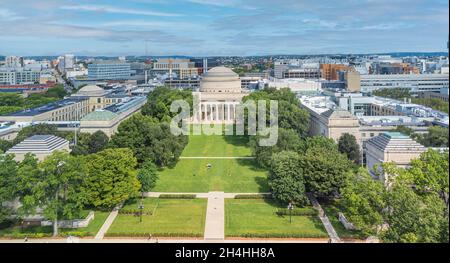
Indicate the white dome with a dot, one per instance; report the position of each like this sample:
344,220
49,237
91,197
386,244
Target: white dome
91,90
220,79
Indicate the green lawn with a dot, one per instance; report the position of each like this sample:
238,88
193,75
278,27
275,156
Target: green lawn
216,146
257,218
332,210
171,217
229,175
35,231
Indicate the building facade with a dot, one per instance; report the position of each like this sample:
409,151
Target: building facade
109,70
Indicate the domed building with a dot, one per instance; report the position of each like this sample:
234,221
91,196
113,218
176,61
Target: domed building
96,96
220,93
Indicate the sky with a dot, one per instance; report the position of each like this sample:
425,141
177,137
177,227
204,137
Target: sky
221,27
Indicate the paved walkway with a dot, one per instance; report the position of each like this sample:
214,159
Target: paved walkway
216,157
200,195
325,221
108,222
215,217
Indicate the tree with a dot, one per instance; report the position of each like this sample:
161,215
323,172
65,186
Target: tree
8,174
436,137
5,145
160,99
363,201
111,177
348,146
429,174
57,187
147,176
97,142
149,140
288,140
324,170
286,178
412,218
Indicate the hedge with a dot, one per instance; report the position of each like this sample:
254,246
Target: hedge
279,235
128,234
177,196
135,212
307,211
29,235
253,196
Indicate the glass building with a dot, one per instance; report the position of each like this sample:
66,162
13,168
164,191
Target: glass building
109,71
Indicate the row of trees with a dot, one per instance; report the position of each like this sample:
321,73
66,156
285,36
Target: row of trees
63,185
436,137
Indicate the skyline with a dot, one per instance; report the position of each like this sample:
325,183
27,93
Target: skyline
222,27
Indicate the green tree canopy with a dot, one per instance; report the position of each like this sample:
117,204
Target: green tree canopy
97,142
286,178
55,185
8,176
149,140
160,99
111,177
363,200
349,146
147,176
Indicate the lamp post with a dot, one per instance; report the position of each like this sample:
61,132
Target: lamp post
141,207
290,207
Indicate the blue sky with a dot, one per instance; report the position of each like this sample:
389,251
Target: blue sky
221,27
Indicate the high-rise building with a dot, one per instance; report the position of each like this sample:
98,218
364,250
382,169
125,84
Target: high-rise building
331,71
14,62
69,61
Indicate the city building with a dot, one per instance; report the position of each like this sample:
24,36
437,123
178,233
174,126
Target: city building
39,145
220,93
14,62
17,76
415,83
176,68
331,71
109,70
390,147
300,86
108,119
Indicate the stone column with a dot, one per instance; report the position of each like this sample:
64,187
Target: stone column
216,106
228,111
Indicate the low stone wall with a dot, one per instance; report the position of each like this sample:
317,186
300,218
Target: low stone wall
345,222
75,223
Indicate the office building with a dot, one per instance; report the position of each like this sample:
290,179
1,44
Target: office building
18,76
109,70
331,71
14,62
415,83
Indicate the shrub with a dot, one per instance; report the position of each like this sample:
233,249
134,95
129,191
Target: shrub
279,235
253,196
135,212
307,211
162,234
177,196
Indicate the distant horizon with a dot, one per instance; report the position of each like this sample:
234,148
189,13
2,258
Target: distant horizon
440,53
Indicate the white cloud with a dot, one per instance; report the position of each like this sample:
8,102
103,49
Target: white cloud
116,10
8,15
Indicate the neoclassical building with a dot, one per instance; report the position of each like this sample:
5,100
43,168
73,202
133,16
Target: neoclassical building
220,93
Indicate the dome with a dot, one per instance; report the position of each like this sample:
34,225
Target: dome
220,79
91,91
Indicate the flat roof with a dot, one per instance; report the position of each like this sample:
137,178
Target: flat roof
48,107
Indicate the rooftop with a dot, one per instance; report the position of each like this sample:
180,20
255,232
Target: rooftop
395,142
48,107
39,144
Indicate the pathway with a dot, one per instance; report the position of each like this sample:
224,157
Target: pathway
108,222
325,221
215,217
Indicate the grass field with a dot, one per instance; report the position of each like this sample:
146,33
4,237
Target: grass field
229,175
216,146
35,231
171,217
257,218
